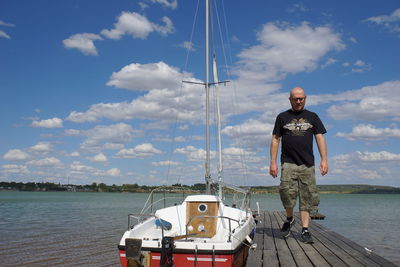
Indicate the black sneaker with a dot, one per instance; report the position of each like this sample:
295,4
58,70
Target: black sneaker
306,236
286,227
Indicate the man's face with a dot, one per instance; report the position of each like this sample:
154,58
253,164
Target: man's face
297,100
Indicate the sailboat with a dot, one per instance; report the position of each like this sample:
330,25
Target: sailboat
200,231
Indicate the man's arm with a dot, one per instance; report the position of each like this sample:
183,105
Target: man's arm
273,152
319,138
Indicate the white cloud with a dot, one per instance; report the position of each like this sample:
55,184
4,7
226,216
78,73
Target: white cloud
297,8
50,123
14,169
358,66
370,132
377,156
79,170
391,22
3,34
369,174
2,23
83,42
144,77
286,49
251,133
72,132
100,158
360,166
78,167
329,61
188,46
366,157
278,54
166,163
174,100
139,151
371,103
171,4
16,154
115,134
42,147
114,172
137,26
143,5
169,139
46,162
194,154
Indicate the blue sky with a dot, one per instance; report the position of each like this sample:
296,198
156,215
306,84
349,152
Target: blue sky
91,90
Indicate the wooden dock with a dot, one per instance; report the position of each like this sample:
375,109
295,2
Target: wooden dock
329,248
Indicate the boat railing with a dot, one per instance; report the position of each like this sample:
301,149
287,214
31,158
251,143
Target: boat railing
236,190
139,219
166,194
217,217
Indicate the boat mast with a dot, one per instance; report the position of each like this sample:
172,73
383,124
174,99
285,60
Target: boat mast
219,142
207,174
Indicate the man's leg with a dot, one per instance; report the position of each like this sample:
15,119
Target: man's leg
305,218
308,200
289,212
288,193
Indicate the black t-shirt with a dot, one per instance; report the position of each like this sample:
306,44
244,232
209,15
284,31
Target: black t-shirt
297,129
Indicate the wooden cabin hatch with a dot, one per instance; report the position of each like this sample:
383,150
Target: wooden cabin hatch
201,226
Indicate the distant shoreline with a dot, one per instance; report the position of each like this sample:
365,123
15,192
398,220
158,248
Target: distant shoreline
196,188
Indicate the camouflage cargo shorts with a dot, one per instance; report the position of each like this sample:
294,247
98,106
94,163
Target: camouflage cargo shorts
299,180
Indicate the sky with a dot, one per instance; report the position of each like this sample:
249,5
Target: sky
91,91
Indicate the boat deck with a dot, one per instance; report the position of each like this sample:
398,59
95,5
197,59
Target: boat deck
329,248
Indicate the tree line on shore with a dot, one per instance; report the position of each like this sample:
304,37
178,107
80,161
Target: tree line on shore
94,187
199,188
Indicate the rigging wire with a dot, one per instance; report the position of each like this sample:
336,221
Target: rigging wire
235,97
234,100
188,50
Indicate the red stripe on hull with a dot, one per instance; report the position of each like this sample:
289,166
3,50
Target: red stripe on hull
183,260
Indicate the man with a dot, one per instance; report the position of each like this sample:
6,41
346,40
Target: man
297,127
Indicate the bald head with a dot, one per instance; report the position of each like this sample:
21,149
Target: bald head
297,98
297,91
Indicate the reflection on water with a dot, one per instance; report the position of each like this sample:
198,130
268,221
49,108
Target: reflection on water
83,229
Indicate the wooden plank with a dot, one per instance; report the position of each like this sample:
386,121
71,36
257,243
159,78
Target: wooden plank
339,252
329,248
304,254
284,255
372,256
332,236
255,258
330,258
270,252
270,258
269,241
255,255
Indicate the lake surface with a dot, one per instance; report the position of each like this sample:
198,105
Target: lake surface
83,229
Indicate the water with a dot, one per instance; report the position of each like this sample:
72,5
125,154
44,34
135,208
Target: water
83,229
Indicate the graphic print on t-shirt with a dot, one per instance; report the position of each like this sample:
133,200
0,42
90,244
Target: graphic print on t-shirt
298,127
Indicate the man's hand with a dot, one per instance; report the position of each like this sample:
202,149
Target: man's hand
273,169
323,167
